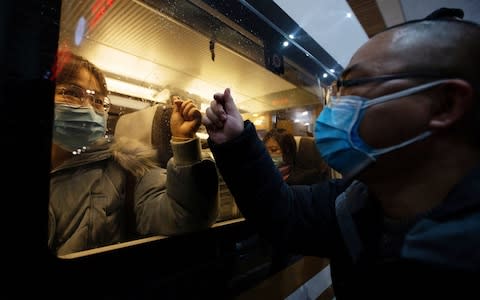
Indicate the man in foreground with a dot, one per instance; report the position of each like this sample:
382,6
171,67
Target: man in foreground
402,127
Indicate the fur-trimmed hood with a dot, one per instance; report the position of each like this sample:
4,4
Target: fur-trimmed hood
134,156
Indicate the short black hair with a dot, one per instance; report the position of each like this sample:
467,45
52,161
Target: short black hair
445,12
440,15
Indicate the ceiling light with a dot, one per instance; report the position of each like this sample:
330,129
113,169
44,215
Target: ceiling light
133,90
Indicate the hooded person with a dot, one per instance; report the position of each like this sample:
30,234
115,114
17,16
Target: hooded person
105,190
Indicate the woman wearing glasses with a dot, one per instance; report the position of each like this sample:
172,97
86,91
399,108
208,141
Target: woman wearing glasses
89,204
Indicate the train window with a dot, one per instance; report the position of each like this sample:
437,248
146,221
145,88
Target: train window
88,209
120,66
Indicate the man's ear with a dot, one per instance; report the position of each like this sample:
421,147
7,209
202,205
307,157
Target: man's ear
452,104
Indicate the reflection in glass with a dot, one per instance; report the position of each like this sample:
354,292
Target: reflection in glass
121,65
107,189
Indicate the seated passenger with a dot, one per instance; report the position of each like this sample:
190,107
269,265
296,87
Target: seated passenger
89,195
282,147
298,163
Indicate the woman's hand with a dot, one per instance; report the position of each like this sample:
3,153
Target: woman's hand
185,119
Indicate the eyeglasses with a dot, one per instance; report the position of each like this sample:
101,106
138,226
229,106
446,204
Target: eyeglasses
75,95
334,89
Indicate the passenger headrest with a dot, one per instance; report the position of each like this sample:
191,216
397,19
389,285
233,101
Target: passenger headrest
151,126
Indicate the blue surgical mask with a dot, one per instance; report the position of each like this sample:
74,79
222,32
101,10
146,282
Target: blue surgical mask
337,137
74,128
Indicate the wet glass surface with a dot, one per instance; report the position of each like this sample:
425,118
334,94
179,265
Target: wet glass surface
148,53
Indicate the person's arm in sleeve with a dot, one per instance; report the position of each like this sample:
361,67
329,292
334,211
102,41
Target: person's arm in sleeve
190,200
301,217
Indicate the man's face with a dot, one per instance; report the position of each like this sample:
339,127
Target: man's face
391,122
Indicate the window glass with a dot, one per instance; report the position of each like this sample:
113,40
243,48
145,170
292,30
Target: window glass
121,65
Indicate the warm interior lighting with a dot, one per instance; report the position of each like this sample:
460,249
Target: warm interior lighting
258,122
137,91
204,106
202,135
124,101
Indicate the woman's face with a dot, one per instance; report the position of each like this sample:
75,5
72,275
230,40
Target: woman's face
273,147
83,91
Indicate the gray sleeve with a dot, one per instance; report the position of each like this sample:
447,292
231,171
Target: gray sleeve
51,227
181,199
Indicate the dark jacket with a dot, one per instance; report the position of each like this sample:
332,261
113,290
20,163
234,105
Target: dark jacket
309,166
439,253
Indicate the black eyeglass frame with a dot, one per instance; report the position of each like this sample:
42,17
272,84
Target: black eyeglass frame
333,89
359,81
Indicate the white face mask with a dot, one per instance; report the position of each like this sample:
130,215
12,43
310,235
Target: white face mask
336,131
277,160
